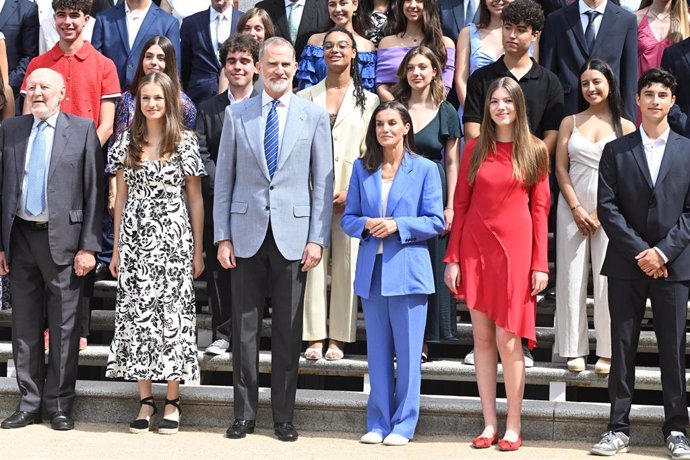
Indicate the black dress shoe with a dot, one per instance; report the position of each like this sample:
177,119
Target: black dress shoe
60,421
240,428
286,431
20,419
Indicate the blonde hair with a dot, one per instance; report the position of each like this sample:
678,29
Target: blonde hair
529,156
680,28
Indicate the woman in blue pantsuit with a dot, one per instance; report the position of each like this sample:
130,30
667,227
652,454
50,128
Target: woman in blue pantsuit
394,205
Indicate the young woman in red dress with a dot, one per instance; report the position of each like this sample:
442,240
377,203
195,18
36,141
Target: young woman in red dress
497,253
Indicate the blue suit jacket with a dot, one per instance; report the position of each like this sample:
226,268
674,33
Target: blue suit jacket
415,202
200,65
111,39
19,23
453,17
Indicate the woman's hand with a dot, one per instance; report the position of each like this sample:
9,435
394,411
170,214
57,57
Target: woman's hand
452,277
197,264
448,217
584,221
539,281
115,264
381,227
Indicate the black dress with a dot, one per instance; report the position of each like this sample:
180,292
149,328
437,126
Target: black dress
430,142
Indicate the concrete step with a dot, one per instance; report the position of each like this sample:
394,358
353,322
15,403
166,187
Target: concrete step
319,410
543,373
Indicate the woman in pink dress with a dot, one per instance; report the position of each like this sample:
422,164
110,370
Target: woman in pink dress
660,24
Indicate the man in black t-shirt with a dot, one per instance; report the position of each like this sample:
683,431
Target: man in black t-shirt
522,22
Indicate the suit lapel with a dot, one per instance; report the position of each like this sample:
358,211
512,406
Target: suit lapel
308,17
641,158
221,103
347,106
251,120
608,22
20,147
7,11
277,10
59,142
208,40
150,19
372,186
296,119
122,26
686,52
667,159
401,182
573,18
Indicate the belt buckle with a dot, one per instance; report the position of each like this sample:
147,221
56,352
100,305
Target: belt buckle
42,225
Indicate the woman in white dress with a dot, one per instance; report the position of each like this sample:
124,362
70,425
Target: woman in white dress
580,240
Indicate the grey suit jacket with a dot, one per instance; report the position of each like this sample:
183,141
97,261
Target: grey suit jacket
74,191
298,201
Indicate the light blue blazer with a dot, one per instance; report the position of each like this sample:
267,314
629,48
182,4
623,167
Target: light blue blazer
416,204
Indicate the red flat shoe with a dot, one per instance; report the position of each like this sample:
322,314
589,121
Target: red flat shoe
483,442
508,445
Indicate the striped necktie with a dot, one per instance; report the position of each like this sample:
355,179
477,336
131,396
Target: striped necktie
271,139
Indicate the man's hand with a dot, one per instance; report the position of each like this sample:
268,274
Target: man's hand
381,227
339,201
311,256
226,254
84,261
4,266
651,263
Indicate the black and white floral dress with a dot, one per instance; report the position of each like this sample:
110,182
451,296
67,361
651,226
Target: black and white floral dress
155,322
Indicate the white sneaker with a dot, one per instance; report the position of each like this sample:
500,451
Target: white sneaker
395,439
218,347
611,443
469,358
371,438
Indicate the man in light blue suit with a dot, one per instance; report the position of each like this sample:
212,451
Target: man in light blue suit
272,212
120,33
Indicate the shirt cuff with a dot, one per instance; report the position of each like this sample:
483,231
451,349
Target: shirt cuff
660,252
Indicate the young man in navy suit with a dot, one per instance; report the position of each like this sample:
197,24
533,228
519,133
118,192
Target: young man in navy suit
19,22
644,207
201,36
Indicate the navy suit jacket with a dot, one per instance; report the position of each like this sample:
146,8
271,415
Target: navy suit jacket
111,39
416,204
676,59
639,215
453,17
563,51
549,6
200,64
19,23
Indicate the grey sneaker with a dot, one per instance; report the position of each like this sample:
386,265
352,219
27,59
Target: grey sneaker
469,358
218,347
678,446
611,443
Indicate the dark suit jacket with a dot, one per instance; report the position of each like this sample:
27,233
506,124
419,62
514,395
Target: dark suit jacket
637,215
453,17
676,59
110,38
314,20
101,5
563,51
200,65
74,190
19,23
209,125
549,6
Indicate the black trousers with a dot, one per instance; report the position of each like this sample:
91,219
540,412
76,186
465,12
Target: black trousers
219,289
250,281
37,282
627,300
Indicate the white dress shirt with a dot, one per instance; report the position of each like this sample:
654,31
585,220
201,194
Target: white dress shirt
584,20
232,99
45,8
134,22
654,152
213,25
183,8
281,110
49,134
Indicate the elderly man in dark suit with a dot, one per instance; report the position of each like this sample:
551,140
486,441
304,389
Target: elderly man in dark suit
644,207
51,206
240,54
201,36
19,23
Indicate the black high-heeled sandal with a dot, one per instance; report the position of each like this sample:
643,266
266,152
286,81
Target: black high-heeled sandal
142,425
166,425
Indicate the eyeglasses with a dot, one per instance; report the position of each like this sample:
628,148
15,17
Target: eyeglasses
340,45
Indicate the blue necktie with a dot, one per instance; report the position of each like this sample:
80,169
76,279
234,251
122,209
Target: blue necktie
36,180
589,31
271,139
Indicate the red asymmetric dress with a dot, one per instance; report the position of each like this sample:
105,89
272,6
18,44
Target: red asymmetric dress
499,236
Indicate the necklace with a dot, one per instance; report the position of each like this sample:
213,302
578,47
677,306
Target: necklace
658,15
410,37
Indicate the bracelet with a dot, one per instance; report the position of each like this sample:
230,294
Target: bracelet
575,207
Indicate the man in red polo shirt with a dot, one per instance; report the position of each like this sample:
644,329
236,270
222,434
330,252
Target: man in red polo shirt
91,83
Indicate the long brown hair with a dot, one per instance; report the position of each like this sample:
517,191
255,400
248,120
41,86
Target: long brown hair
529,156
373,157
170,61
172,123
431,27
269,29
680,29
402,90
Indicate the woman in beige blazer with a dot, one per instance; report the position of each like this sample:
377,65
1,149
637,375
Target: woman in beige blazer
350,108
